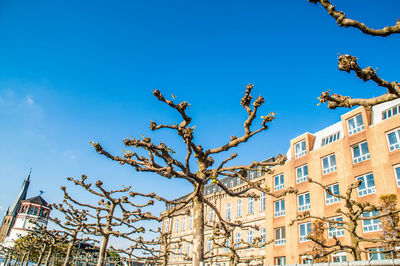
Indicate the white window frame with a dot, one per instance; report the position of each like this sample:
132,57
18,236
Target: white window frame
329,199
331,138
239,208
374,225
300,173
177,226
397,173
307,230
188,248
334,231
228,210
209,244
280,260
339,255
250,236
363,156
262,202
263,235
211,214
281,182
250,205
301,151
227,244
331,168
280,211
305,206
282,236
396,145
357,128
238,239
368,188
380,256
190,221
392,111
252,174
183,223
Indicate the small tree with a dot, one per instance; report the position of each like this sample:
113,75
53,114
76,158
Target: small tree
354,213
390,224
113,216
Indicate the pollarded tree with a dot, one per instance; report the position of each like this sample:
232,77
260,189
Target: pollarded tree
74,224
115,214
198,167
348,63
355,215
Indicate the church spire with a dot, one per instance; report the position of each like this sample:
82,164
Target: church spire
21,196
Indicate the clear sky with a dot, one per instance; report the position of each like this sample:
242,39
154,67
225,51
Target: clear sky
76,71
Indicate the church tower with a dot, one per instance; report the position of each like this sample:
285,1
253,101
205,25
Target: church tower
11,214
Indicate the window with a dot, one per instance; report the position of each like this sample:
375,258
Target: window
303,202
305,230
360,152
300,149
183,223
367,185
280,261
393,138
250,236
209,244
301,173
328,164
262,202
239,208
377,254
211,213
262,234
390,112
35,211
279,208
252,174
335,229
259,171
166,226
177,226
329,199
339,257
306,260
237,239
397,174
190,221
278,182
228,211
231,183
355,124
331,138
227,244
371,225
280,236
188,249
250,205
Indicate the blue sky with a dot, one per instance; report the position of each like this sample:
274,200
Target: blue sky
76,71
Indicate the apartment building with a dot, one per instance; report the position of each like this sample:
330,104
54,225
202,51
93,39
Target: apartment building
364,145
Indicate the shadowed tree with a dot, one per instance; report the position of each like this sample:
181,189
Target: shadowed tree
348,63
197,168
390,225
353,213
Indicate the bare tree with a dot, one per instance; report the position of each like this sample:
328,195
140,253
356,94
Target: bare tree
353,213
348,63
75,221
115,215
160,160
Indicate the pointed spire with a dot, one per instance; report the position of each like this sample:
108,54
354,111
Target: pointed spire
29,175
21,196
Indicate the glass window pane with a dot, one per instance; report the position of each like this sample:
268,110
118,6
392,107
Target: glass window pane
392,138
333,160
364,148
356,151
359,120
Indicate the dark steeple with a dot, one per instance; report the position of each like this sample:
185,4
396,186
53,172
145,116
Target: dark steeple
21,196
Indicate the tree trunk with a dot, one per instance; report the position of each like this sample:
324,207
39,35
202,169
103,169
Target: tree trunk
198,227
102,251
46,263
27,258
41,255
69,250
23,258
